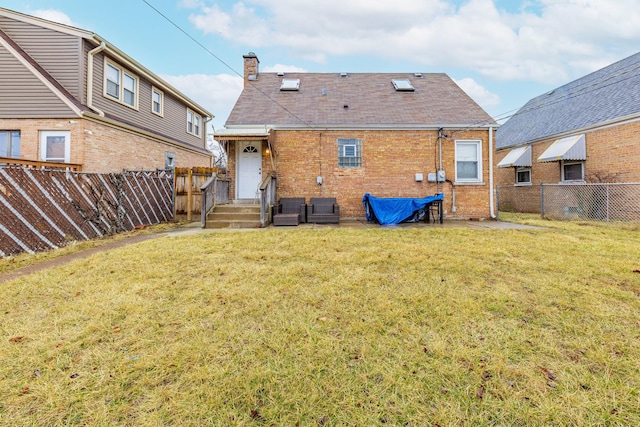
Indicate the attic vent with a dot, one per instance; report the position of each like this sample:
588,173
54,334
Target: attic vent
402,85
290,84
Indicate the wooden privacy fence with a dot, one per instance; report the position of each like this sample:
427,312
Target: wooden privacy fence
42,210
188,183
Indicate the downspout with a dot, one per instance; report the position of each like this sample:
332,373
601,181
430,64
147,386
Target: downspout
90,56
491,209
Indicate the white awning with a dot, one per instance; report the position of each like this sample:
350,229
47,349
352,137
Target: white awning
569,148
518,157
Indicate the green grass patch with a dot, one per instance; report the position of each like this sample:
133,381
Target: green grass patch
415,326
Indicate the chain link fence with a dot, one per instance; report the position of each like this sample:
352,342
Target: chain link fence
592,202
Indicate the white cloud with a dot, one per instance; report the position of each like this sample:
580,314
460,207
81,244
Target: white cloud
548,41
478,93
217,93
55,16
283,68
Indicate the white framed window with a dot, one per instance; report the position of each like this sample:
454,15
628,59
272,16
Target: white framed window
55,146
523,176
468,161
572,171
157,101
10,143
193,123
349,152
120,85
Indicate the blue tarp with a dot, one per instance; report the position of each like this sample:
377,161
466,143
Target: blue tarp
394,210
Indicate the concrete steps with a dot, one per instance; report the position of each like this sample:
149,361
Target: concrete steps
234,216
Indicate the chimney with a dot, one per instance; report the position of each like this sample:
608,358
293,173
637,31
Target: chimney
251,64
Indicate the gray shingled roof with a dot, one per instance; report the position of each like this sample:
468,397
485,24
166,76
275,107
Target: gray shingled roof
597,98
371,99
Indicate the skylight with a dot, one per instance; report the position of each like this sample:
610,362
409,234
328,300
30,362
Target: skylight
290,84
403,85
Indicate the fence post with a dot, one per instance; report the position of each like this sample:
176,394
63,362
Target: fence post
189,201
541,201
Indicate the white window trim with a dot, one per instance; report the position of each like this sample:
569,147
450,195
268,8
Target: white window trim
523,169
155,90
473,181
564,163
123,72
199,117
67,146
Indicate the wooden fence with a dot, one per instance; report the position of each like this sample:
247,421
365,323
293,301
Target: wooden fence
46,209
188,182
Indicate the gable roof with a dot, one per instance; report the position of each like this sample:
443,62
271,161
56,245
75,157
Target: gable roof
96,40
608,95
355,100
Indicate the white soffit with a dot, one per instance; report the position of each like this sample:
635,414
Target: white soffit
518,157
569,148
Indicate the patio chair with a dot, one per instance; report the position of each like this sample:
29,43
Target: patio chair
289,211
323,210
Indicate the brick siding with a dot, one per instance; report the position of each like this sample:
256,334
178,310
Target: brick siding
390,160
612,152
102,148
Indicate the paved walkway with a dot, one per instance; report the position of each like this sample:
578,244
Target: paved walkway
194,228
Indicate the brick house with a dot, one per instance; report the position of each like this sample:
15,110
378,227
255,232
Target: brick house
346,134
69,96
585,131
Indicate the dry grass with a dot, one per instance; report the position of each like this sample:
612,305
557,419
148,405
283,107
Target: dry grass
11,263
332,327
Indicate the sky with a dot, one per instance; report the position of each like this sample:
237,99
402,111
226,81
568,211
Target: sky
501,52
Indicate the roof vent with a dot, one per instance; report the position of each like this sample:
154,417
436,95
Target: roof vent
418,74
281,73
344,74
290,84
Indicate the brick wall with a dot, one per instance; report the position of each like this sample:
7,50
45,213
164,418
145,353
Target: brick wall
390,160
612,152
102,148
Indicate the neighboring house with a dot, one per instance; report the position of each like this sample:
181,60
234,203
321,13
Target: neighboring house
69,96
585,131
346,134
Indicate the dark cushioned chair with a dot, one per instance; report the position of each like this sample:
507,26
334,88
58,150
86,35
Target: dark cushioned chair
323,210
289,211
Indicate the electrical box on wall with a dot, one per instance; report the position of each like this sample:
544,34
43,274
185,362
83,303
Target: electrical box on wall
419,177
439,176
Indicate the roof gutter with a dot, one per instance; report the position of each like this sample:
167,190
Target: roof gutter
90,56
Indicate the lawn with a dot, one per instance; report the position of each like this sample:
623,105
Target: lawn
328,327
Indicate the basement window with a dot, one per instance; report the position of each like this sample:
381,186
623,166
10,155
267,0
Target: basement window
402,85
290,84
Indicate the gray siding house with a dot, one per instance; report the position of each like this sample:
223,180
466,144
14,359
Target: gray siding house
69,96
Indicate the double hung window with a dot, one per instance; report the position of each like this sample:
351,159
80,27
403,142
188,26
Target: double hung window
120,85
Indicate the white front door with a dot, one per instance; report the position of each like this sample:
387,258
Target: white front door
249,169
